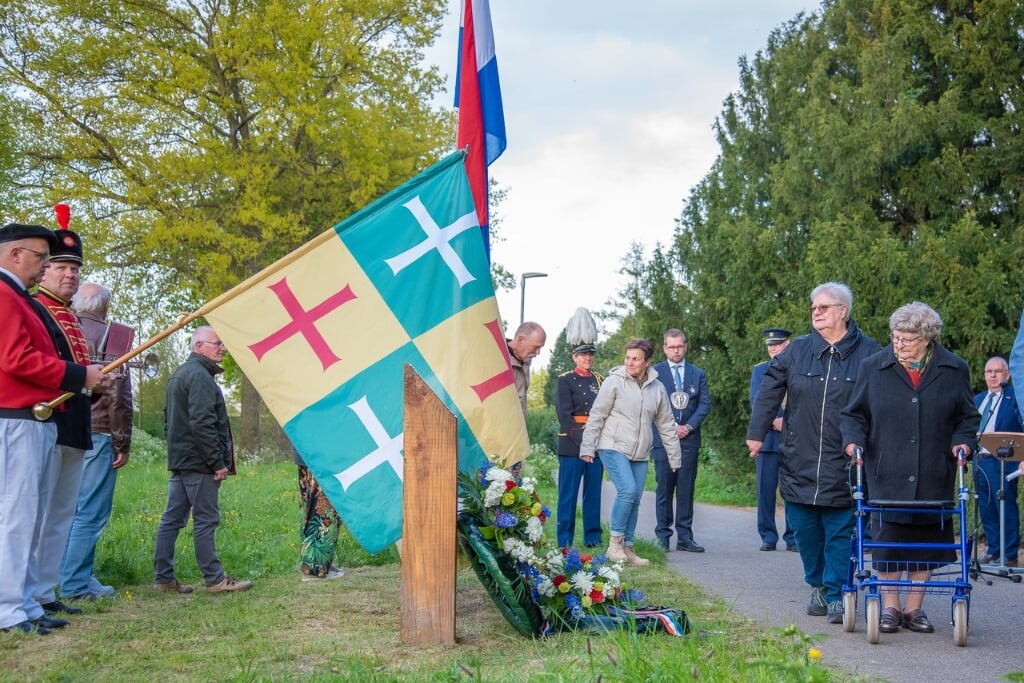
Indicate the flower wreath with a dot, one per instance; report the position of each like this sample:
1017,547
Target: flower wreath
538,588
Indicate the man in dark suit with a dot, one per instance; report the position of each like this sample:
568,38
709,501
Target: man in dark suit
687,388
998,407
776,339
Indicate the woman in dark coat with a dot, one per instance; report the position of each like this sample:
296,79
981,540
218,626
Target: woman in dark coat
912,410
815,377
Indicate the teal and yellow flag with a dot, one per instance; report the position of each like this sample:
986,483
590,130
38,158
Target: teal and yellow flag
324,335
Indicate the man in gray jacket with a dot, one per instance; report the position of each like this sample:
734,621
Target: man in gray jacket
200,456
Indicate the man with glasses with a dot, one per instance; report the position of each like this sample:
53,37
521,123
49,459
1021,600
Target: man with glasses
687,388
998,408
31,372
62,477
200,455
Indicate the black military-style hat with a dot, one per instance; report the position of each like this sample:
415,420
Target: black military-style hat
69,247
584,348
775,335
69,244
18,231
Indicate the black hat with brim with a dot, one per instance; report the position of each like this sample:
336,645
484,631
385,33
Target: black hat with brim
69,247
19,231
584,348
775,335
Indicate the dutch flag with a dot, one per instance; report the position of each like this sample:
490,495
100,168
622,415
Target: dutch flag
478,97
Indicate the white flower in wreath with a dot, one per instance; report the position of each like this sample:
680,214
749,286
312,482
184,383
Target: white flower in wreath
534,529
609,574
554,560
546,588
496,474
528,484
519,551
494,493
582,581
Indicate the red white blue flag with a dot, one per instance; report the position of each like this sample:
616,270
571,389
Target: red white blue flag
478,97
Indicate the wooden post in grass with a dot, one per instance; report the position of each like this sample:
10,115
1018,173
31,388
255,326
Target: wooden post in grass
428,516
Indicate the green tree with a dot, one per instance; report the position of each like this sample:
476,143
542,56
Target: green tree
203,141
875,143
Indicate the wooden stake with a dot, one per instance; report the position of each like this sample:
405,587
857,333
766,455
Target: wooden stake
428,516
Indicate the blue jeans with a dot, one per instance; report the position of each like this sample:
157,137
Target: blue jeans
990,472
628,477
571,470
823,539
196,492
95,501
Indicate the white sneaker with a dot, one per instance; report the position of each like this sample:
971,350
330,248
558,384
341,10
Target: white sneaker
332,573
98,589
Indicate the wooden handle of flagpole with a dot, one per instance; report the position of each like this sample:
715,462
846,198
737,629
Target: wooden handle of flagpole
43,411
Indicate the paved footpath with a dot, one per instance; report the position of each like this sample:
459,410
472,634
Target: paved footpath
769,587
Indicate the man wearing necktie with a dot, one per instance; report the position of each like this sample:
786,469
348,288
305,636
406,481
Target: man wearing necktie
687,388
998,408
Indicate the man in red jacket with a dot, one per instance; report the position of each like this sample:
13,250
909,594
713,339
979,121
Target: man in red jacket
30,373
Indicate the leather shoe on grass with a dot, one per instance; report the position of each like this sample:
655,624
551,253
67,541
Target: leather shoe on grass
26,627
173,586
663,544
228,585
689,546
890,620
767,546
50,623
57,606
917,621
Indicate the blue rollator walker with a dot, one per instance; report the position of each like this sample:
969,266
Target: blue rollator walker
954,580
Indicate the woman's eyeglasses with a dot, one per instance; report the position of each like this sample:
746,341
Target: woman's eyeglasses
903,341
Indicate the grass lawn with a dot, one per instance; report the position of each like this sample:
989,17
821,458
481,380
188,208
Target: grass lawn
348,629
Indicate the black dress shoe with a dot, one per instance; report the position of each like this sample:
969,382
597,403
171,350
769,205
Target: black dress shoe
767,546
663,544
26,627
917,621
689,546
792,548
889,622
58,606
50,622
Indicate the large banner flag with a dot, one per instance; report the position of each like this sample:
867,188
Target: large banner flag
478,97
324,335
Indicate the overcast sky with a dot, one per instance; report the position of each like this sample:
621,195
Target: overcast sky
609,107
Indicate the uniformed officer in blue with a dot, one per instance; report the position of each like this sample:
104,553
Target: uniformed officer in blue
776,339
574,395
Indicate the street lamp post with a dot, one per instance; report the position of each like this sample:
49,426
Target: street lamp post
522,293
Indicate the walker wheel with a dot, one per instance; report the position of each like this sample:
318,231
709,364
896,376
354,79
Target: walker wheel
960,623
849,612
873,614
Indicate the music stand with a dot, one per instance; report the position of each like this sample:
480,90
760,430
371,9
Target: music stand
1007,447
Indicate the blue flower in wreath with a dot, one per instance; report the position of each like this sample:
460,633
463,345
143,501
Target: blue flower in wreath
546,511
575,607
505,520
573,563
483,472
635,596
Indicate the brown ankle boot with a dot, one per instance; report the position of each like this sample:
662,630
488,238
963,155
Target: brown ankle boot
615,551
632,558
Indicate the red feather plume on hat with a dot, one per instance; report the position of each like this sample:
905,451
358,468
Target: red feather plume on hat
63,212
